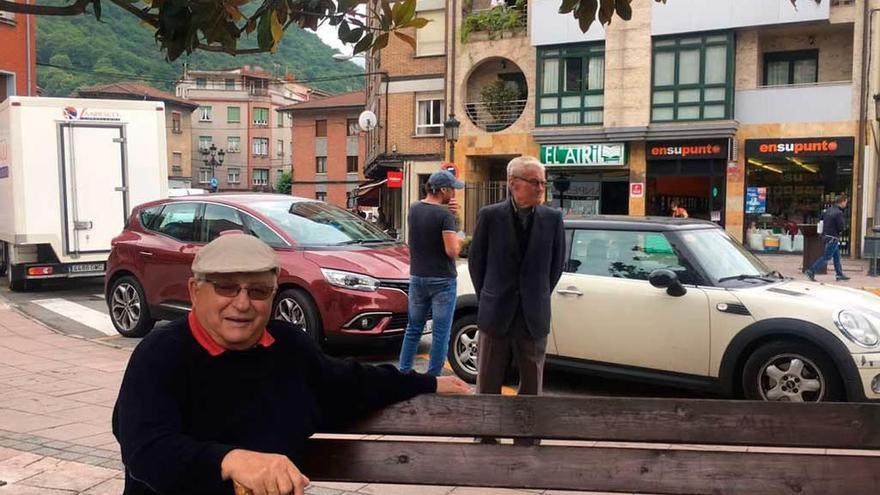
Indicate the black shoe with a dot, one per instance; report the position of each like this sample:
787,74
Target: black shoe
811,275
842,278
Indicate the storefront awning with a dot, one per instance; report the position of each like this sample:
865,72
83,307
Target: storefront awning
368,194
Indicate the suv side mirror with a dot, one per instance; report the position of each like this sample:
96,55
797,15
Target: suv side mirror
667,279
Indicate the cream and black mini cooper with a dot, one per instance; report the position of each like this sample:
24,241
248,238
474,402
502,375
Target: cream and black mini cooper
680,302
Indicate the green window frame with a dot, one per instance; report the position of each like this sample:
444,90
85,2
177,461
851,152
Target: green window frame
261,116
233,115
686,95
571,85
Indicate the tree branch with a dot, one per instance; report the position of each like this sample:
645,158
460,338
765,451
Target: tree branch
151,19
77,8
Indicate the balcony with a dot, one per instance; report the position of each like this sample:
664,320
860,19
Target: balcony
486,19
496,116
496,95
822,102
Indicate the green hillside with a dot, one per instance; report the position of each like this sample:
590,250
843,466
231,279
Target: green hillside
120,48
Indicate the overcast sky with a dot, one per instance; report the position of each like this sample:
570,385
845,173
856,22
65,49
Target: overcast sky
329,36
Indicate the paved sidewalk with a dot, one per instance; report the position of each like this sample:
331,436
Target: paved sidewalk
791,266
56,399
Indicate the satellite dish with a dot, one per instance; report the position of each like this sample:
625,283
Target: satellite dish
368,120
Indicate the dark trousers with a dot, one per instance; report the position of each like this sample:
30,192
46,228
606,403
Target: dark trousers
494,356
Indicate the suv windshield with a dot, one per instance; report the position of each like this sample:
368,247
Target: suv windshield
723,258
312,223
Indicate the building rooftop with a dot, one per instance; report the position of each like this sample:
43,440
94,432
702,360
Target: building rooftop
354,99
134,91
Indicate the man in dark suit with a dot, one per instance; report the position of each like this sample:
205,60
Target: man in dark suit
515,260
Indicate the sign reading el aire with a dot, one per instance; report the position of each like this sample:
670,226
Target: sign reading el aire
602,155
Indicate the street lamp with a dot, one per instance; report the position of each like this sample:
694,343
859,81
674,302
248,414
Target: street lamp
450,131
213,158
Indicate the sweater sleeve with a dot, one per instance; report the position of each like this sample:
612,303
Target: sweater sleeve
347,389
148,425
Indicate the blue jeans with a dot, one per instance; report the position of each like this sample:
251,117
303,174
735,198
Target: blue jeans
832,251
436,294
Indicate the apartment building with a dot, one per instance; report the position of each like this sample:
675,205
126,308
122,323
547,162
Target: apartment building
746,111
407,93
178,124
18,57
328,147
239,113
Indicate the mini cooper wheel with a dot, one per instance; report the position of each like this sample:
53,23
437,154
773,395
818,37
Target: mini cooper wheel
791,371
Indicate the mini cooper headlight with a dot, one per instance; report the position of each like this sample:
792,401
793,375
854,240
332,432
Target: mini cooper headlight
857,327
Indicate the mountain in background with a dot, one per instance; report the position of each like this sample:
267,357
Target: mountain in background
121,48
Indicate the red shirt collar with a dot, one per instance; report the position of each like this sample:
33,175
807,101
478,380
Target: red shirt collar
213,348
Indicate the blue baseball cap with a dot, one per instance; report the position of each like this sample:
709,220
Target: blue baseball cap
444,178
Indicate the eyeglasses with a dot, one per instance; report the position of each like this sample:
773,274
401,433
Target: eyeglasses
256,293
533,182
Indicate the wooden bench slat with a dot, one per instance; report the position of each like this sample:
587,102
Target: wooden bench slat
598,469
721,422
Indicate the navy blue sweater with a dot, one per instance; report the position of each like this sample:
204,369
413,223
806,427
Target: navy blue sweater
180,411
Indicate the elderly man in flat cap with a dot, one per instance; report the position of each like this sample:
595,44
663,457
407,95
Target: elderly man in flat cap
225,396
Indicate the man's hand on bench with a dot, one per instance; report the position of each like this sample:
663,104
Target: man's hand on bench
452,385
263,474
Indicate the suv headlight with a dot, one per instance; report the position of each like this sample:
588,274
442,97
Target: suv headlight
858,327
348,280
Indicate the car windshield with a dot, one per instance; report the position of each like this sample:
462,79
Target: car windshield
313,223
723,258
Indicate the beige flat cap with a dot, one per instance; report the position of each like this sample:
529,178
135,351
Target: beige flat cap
235,253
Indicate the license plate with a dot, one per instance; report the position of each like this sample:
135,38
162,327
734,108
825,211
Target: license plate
86,268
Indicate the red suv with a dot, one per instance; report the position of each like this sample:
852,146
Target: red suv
341,277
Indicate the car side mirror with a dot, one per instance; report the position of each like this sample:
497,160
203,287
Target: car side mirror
667,279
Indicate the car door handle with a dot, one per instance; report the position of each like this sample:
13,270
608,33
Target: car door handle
145,253
571,291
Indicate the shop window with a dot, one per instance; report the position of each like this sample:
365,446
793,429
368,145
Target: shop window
692,78
796,67
571,85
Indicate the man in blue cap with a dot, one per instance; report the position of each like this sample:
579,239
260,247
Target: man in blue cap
433,248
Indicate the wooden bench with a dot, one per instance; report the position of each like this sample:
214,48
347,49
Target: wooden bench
682,446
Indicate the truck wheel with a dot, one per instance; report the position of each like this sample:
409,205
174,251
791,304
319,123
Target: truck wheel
128,306
791,371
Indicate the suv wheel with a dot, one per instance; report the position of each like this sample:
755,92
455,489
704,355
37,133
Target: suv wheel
791,371
296,306
462,352
128,308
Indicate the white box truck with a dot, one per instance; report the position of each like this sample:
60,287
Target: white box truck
70,172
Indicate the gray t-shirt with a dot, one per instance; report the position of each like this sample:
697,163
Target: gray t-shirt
427,254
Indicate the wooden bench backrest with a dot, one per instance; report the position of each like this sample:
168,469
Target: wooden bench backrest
450,457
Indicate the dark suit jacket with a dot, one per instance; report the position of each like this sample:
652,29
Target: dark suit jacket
505,275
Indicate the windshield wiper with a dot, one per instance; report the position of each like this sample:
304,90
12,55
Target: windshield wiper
362,241
746,277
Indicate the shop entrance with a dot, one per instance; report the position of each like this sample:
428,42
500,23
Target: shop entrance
697,185
789,183
605,193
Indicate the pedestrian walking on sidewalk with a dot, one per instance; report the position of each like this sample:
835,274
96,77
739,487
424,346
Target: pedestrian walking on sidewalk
833,224
515,260
433,248
227,397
